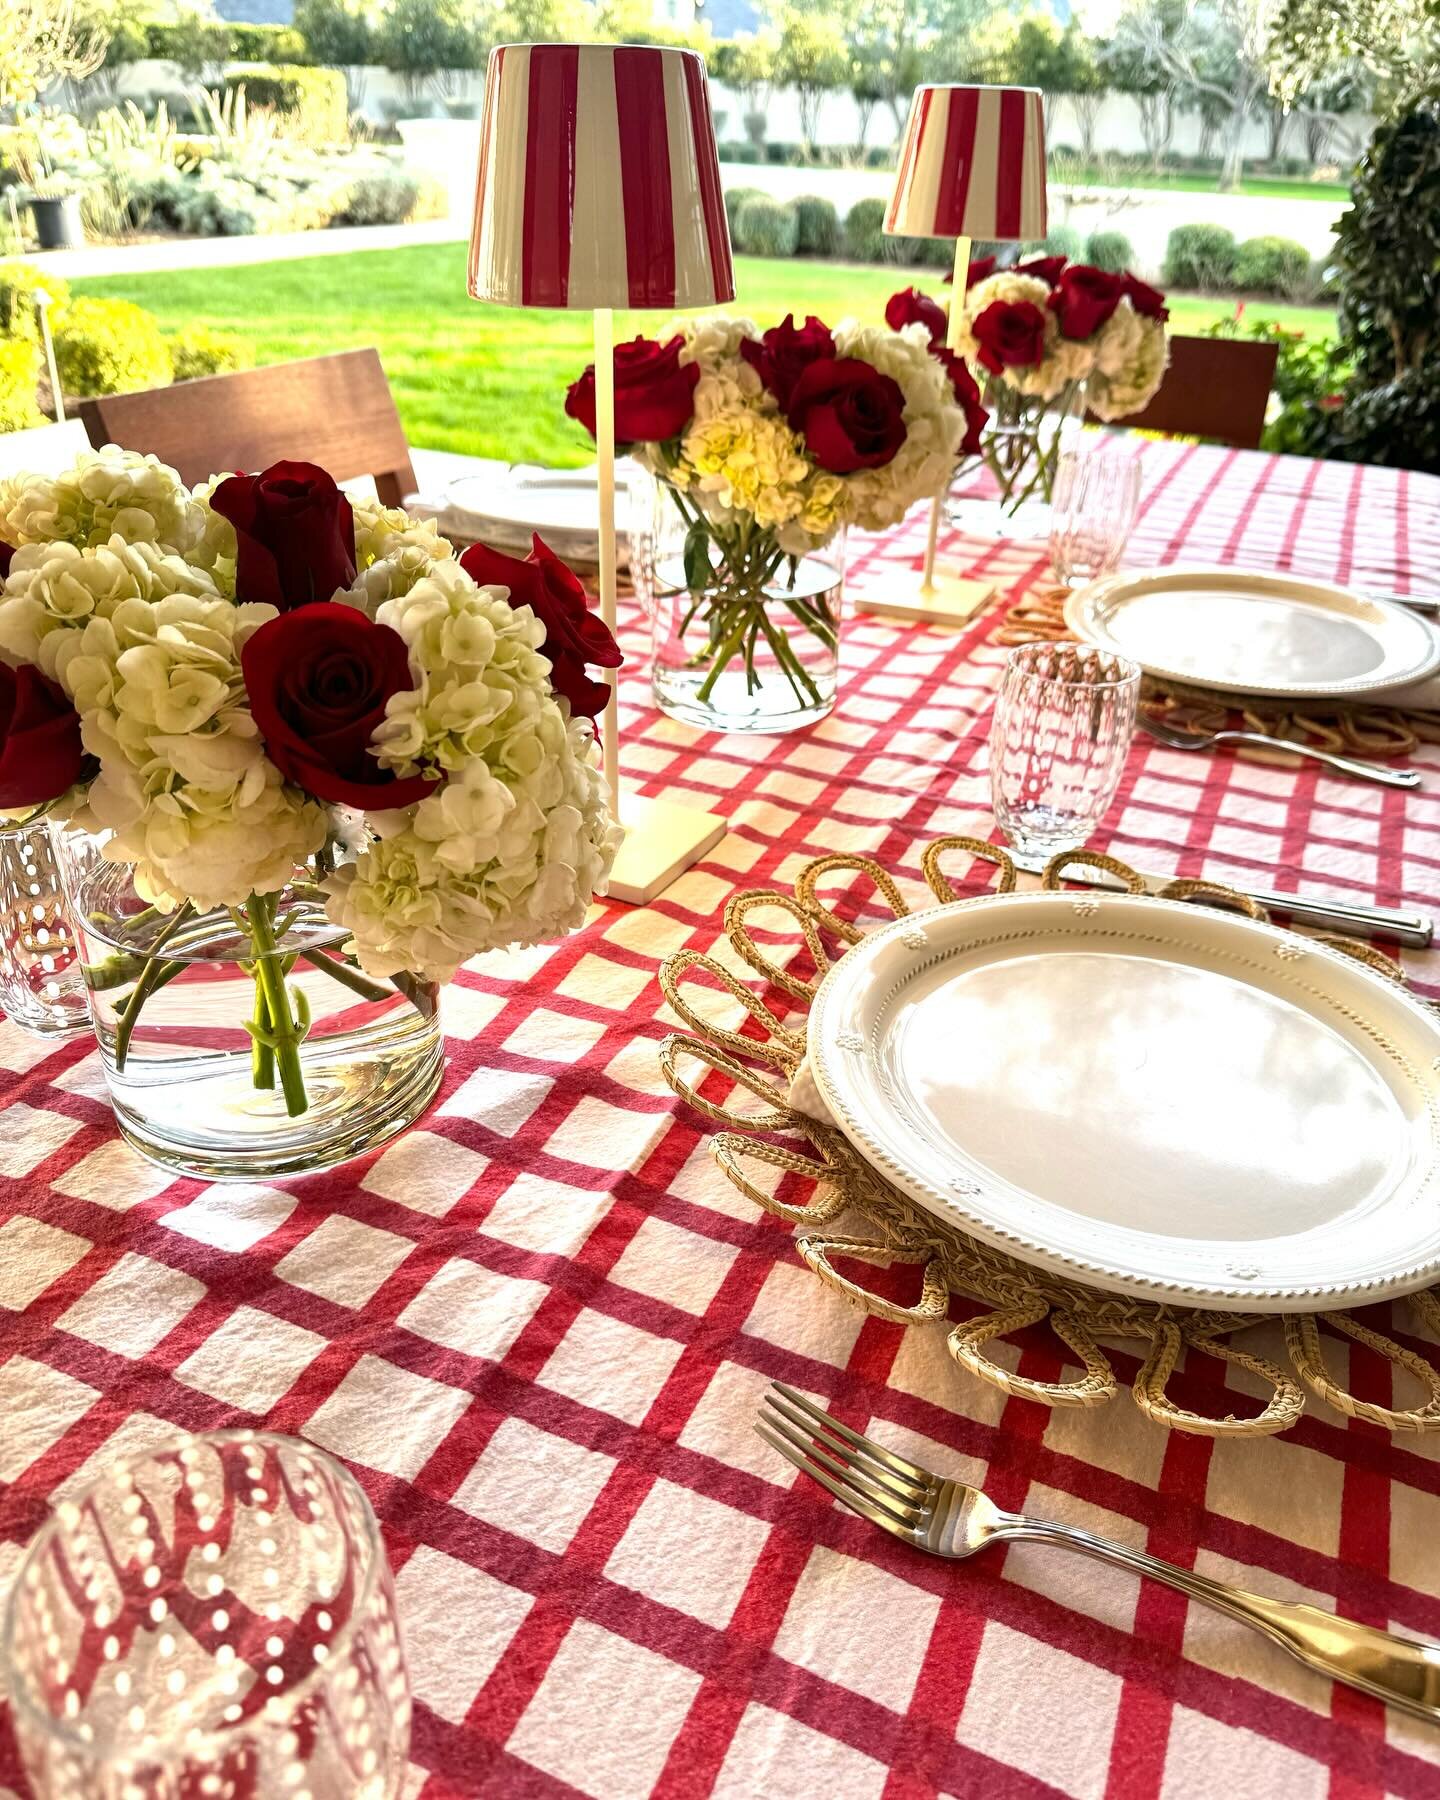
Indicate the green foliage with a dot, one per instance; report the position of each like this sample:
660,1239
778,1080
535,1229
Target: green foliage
864,236
418,38
313,99
818,226
766,227
1309,376
811,58
19,375
1200,257
391,197
1062,240
18,285
337,34
196,44
267,44
110,347
201,351
1396,424
1272,265
1109,250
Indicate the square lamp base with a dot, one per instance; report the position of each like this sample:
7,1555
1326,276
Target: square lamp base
948,601
662,840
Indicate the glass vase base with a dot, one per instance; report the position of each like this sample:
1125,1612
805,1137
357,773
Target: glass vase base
205,1118
733,705
991,521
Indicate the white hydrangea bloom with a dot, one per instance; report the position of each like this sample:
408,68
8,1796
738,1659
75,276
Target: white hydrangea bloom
53,587
215,549
1118,344
1117,396
107,493
934,424
711,340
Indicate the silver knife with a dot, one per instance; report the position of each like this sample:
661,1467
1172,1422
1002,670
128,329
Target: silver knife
1413,929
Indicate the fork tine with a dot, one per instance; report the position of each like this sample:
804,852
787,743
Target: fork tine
897,1465
842,1467
846,1496
894,1487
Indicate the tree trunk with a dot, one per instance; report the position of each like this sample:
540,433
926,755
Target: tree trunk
1232,161
1275,125
1087,113
863,109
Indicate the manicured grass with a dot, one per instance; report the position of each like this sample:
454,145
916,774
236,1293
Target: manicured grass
1260,187
485,380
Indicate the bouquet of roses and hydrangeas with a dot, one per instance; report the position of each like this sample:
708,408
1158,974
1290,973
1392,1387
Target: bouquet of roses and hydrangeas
1049,335
257,677
770,442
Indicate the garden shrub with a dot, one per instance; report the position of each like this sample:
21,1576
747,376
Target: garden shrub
1200,256
1272,265
110,347
735,198
1109,250
18,283
739,153
1062,240
391,197
19,373
864,238
766,227
201,351
268,44
315,99
818,226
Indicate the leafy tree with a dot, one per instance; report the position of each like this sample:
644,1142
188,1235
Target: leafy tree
1130,70
548,22
810,57
339,34
633,22
747,64
1397,42
428,42
198,44
1060,63
41,42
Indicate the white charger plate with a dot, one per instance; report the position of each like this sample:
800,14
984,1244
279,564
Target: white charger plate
1158,1099
563,505
1246,632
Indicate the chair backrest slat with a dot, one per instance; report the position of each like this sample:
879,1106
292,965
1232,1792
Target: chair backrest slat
336,411
1214,388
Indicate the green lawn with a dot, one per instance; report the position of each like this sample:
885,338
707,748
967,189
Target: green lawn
485,380
1261,187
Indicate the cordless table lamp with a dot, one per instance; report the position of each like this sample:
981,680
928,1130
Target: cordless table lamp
599,186
972,165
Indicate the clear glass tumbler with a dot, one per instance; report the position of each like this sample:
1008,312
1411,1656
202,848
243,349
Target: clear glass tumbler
214,1618
1058,742
1097,499
41,985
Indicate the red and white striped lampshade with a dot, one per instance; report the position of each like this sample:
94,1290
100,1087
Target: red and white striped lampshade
972,164
599,181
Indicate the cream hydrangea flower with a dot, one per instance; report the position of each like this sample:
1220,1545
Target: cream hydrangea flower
392,552
1118,344
743,460
108,493
1133,387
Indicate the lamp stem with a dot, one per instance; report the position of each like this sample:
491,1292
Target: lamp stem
957,302
605,450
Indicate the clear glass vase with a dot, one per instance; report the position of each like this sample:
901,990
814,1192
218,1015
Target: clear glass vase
1006,491
41,987
745,637
176,998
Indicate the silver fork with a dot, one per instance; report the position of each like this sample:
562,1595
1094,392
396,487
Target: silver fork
949,1519
1345,765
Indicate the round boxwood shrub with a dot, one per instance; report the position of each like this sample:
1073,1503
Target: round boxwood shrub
1200,256
1109,250
201,351
766,227
18,285
1272,265
864,236
818,226
735,198
19,373
1062,240
110,347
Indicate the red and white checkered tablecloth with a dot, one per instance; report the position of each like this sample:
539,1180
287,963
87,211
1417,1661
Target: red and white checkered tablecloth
538,1325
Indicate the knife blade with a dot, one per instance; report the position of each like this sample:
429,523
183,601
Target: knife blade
1348,918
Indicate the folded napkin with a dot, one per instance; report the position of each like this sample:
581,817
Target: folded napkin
804,1096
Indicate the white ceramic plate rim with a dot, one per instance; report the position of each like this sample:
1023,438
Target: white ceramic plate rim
1083,608
833,1044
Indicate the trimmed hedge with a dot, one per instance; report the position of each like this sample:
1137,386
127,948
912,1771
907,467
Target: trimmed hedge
1109,250
110,347
819,226
18,318
201,351
1272,265
864,236
247,43
316,98
1063,240
765,227
1200,256
19,376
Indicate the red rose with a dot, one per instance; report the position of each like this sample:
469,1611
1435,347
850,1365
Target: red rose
850,415
40,750
967,398
911,307
7,552
295,532
1043,268
654,392
786,350
980,269
574,636
1084,299
317,680
1147,301
1011,335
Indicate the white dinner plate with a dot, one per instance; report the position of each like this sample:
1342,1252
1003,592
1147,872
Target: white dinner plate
1154,1098
1246,632
563,505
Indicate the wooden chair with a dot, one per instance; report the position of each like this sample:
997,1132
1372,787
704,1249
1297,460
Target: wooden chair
1214,388
336,411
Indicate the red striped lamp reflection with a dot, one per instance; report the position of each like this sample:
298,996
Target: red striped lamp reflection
599,182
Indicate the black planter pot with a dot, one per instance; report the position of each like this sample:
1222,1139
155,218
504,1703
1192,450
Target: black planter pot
57,223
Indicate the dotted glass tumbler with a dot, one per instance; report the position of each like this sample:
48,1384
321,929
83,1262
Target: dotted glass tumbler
214,1619
41,985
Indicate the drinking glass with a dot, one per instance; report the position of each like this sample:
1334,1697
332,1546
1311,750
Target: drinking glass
41,986
1058,741
214,1618
1097,498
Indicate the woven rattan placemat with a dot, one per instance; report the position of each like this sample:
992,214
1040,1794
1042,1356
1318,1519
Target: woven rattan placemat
807,1173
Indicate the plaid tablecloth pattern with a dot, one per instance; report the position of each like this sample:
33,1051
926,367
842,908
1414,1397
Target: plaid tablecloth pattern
538,1325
